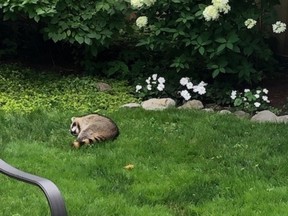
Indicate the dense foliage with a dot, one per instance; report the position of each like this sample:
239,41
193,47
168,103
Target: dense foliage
174,36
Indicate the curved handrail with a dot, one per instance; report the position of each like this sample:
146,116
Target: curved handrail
52,193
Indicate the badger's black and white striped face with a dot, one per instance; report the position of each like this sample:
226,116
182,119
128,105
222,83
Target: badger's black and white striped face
74,128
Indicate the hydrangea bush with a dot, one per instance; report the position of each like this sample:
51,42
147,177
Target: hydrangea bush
218,38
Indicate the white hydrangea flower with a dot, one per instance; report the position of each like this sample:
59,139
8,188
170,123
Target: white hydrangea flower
222,6
154,82
136,3
185,94
161,80
199,89
265,98
154,76
233,94
189,85
184,81
258,91
250,23
160,86
279,27
265,91
138,88
211,13
225,9
257,104
202,84
149,87
219,2
149,2
256,95
141,21
246,90
148,80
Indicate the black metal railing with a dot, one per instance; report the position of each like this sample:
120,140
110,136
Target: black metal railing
52,193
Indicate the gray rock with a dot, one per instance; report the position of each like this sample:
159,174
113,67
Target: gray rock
282,119
101,86
264,116
241,114
158,104
131,105
208,109
224,112
193,104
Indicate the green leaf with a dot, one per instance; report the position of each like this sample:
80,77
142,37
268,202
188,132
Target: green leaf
238,102
215,73
68,32
220,40
79,39
229,46
88,41
221,47
201,50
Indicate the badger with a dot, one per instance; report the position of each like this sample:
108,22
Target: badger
92,128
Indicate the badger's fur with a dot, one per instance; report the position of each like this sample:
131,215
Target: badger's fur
92,128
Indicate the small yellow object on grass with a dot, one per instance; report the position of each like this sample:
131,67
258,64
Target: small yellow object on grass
129,167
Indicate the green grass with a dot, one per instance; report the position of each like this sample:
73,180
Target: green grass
186,163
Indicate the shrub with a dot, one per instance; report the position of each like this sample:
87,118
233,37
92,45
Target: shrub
156,87
25,90
251,100
218,37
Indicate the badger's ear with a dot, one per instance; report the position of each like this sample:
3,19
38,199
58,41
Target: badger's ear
73,118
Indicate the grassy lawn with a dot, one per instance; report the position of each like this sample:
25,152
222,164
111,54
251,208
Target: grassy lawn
186,163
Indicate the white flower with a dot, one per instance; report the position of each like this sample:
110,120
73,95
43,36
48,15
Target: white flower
221,5
265,91
233,94
160,86
141,21
154,82
199,89
154,76
161,80
256,95
257,104
185,94
211,13
149,87
250,23
189,85
148,2
265,98
225,9
136,3
148,80
219,2
184,81
138,88
246,90
279,27
244,99
258,91
202,84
